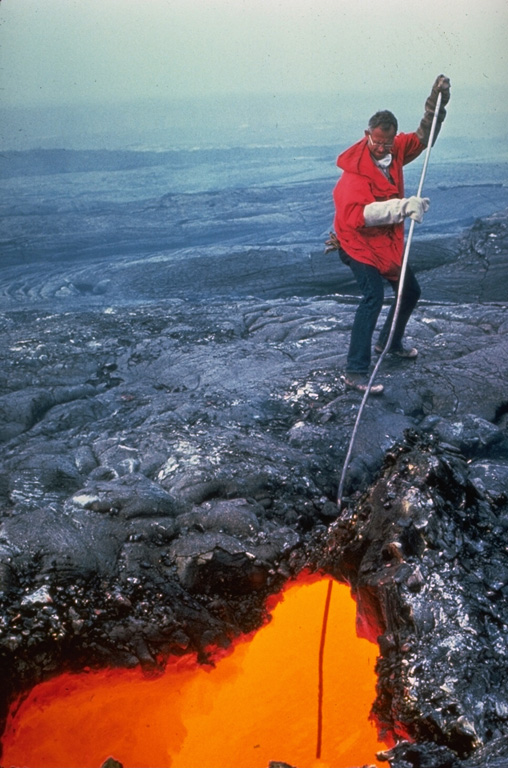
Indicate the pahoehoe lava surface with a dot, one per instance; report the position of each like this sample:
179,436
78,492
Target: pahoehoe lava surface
167,463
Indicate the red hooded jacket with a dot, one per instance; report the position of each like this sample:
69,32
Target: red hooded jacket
361,183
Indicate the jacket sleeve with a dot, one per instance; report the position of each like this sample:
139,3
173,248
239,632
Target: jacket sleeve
411,147
351,195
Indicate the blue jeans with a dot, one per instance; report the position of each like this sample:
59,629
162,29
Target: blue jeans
370,282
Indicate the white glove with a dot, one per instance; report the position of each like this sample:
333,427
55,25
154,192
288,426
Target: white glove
394,211
415,207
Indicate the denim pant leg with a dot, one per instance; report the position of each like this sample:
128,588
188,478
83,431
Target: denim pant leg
370,283
410,294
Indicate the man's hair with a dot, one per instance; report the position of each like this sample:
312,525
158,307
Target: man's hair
383,119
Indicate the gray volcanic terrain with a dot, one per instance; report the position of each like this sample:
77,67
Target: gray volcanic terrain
174,423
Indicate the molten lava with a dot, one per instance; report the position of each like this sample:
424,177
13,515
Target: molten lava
260,703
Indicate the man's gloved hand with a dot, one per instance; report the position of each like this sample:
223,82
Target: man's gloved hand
441,86
387,212
415,207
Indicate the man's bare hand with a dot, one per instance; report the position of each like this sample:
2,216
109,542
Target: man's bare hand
332,244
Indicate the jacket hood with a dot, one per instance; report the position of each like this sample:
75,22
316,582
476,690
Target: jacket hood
358,160
354,158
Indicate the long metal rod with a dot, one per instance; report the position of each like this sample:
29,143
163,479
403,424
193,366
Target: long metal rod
397,307
324,626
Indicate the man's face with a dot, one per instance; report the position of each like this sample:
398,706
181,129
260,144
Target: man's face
380,142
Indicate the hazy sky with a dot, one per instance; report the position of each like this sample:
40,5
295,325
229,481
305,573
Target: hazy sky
75,50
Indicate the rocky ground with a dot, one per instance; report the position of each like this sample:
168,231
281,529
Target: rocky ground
167,465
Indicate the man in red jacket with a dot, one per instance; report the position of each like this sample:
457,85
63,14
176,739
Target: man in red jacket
370,209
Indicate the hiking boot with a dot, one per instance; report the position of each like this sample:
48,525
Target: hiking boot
406,354
360,382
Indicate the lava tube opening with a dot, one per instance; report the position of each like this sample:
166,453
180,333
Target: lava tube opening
258,704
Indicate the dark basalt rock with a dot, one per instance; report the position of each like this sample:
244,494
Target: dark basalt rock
424,551
168,465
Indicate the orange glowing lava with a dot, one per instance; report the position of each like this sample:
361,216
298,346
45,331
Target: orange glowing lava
259,703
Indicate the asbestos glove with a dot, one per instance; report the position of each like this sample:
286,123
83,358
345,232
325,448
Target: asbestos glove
416,207
441,86
394,211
